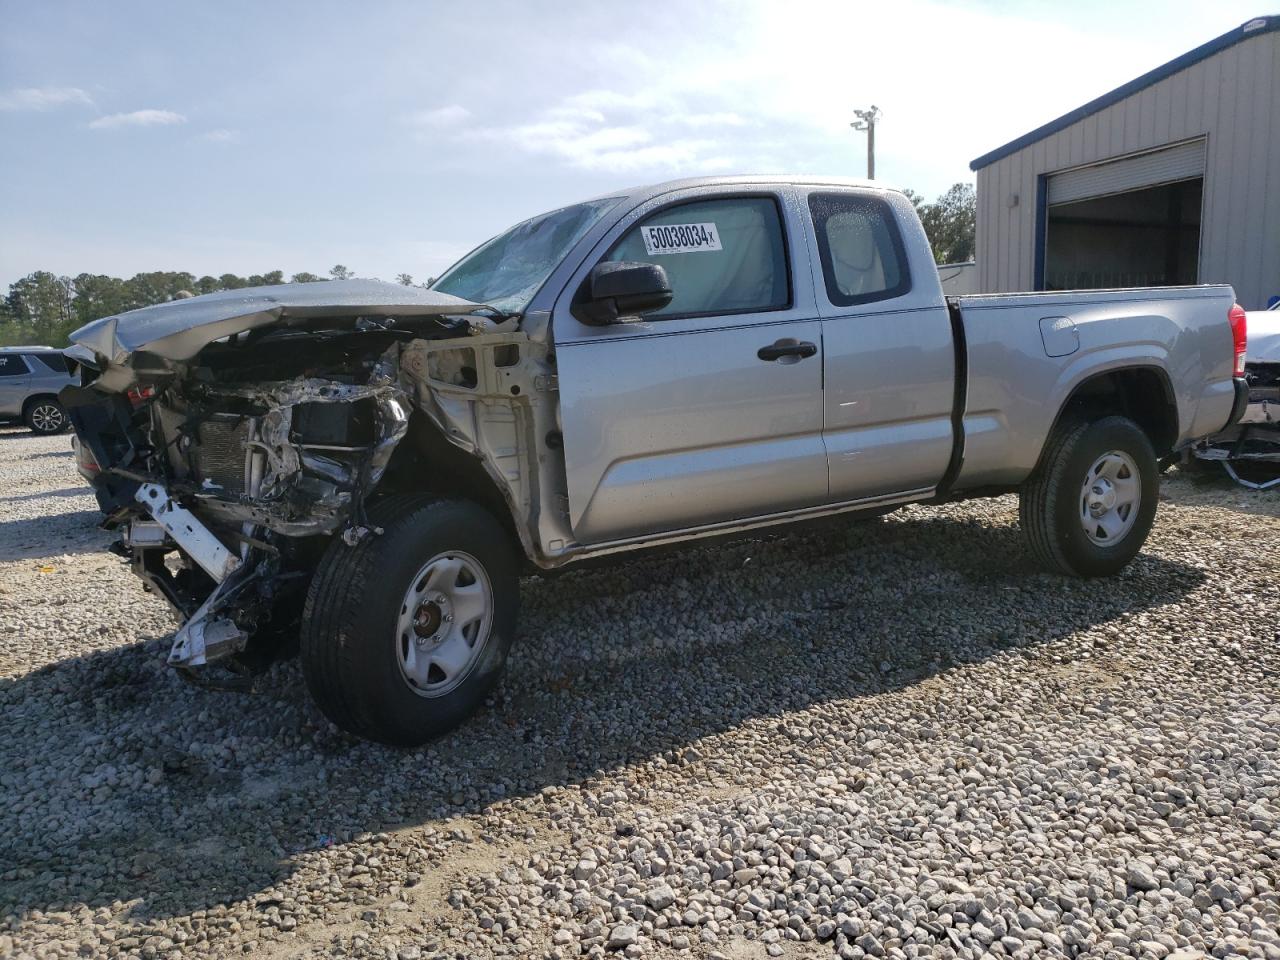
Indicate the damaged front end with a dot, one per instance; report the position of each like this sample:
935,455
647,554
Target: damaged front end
237,435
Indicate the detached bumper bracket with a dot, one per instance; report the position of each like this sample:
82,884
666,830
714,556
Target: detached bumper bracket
187,532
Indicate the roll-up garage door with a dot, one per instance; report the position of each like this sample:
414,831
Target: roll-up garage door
1182,162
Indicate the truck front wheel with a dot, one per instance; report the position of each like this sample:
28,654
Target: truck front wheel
1089,506
405,633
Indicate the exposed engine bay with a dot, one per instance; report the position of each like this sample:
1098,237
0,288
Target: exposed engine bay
229,465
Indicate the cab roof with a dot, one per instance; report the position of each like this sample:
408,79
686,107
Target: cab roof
646,191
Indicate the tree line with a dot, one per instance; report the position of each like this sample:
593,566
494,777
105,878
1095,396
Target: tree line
44,307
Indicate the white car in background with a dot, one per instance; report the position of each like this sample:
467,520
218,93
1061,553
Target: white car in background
1264,334
1250,450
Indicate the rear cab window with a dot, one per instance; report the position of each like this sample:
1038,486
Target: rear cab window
12,365
722,256
861,249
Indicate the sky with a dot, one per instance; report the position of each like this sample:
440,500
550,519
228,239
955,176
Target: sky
393,136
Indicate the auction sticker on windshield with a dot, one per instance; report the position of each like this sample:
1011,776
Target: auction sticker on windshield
680,238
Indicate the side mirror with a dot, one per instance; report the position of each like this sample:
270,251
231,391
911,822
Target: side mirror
624,289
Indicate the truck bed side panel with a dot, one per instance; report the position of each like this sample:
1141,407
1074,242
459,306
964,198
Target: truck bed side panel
1016,389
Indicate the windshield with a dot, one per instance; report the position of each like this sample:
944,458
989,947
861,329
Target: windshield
508,270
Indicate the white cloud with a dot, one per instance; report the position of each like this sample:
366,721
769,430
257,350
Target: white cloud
609,131
221,135
138,118
449,116
43,98
723,118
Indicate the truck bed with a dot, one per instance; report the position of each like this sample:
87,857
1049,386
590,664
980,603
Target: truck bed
1025,353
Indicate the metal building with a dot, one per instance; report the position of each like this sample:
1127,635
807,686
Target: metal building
1173,178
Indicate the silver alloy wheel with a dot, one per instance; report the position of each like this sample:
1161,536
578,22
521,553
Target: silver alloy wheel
1110,497
445,621
47,417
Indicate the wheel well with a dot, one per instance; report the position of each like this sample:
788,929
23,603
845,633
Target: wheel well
1142,394
426,462
35,398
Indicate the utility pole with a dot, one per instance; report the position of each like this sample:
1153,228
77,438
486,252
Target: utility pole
867,121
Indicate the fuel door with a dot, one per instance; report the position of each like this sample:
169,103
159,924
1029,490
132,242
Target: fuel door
1059,335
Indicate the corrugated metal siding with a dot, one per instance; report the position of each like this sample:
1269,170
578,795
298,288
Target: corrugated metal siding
1233,99
1181,162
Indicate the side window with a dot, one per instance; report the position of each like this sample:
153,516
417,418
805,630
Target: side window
11,365
863,259
721,256
55,362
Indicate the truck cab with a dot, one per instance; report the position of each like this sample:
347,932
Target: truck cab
805,359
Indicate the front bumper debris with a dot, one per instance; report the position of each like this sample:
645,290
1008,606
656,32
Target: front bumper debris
188,532
206,636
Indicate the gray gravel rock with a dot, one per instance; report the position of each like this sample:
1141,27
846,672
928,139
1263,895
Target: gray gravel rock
1141,877
889,739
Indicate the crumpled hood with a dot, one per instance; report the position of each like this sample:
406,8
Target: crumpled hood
1263,329
180,329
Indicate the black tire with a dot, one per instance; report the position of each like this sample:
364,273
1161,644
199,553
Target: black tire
349,622
45,417
1051,500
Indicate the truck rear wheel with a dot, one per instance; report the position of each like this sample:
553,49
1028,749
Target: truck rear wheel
405,633
1089,506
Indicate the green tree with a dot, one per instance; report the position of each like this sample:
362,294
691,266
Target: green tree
339,272
159,286
97,295
39,309
950,223
405,279
265,279
45,308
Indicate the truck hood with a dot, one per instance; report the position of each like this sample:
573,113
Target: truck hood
1263,328
180,329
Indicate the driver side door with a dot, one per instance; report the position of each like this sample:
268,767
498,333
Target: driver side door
709,410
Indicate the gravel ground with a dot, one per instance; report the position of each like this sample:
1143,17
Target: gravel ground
890,739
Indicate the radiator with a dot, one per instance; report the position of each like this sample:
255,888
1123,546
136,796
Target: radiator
218,458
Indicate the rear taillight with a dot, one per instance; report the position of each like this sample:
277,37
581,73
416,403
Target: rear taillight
1239,336
85,459
140,395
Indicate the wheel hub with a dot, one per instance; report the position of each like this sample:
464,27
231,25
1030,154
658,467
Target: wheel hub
444,624
430,616
1110,498
46,417
1102,496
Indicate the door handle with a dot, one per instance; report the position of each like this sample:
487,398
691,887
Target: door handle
787,350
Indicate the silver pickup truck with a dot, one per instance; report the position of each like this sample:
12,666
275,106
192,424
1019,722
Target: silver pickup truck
366,469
